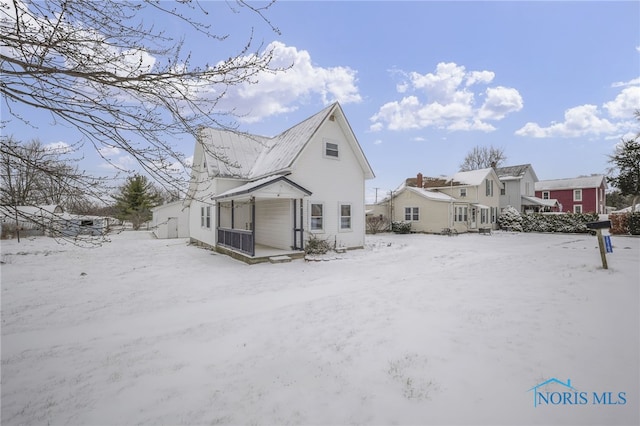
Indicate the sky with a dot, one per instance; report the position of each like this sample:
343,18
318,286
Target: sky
422,83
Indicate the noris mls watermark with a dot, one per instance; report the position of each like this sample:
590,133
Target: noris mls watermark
566,394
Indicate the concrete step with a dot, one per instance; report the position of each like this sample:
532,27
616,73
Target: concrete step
279,259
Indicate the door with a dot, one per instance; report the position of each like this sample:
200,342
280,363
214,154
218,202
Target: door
473,217
172,227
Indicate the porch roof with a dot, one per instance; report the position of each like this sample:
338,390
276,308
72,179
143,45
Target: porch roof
277,186
535,201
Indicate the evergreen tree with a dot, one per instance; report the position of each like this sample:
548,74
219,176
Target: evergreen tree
510,219
626,162
135,200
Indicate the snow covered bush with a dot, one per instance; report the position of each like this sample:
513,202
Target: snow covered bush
317,245
377,224
401,227
634,223
510,219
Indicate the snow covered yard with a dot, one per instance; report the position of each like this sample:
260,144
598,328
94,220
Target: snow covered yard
414,329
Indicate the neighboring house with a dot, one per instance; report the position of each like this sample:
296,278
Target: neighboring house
29,220
518,190
50,220
584,194
171,220
466,202
252,196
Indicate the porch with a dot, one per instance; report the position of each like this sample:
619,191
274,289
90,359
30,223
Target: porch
261,220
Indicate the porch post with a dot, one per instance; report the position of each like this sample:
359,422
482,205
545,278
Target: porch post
295,224
301,223
253,226
232,217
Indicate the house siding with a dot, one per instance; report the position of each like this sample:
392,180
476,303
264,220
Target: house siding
592,199
332,182
275,228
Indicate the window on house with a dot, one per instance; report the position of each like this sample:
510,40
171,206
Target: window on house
345,216
484,215
503,191
317,217
205,216
411,213
577,195
494,214
461,213
577,208
545,195
331,149
463,192
489,188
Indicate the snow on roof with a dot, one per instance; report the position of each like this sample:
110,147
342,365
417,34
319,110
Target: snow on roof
512,172
473,177
432,195
552,202
593,181
243,155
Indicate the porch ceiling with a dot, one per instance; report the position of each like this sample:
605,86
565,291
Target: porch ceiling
272,187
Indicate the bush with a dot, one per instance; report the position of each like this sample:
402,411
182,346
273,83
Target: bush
619,223
316,245
634,223
377,224
401,227
510,219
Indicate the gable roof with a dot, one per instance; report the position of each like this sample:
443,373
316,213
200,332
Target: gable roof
430,195
515,172
470,178
593,181
245,156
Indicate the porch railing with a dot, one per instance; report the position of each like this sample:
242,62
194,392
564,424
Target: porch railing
237,239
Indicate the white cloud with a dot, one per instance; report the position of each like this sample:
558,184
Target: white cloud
276,93
445,99
579,121
58,147
624,105
588,120
108,151
124,162
633,82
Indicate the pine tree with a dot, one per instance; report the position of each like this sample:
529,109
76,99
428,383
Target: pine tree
626,162
135,200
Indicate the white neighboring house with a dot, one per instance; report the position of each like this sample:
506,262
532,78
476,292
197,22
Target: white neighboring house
519,190
171,220
252,196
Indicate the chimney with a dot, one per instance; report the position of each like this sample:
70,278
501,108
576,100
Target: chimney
419,180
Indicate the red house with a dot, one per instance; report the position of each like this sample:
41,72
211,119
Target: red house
584,194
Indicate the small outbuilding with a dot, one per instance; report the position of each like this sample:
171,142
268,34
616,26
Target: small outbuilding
171,220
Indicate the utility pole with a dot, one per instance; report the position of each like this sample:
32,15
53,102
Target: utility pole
376,194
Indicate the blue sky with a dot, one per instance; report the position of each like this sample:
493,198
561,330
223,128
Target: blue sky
554,84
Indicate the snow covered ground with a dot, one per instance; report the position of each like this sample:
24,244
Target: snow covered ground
413,329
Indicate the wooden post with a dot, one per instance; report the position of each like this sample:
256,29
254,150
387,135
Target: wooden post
603,254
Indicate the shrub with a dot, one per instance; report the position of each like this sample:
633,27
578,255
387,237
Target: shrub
317,245
510,219
634,223
401,227
619,223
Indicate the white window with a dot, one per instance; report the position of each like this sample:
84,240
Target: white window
463,192
461,214
484,215
205,216
577,208
411,213
345,216
494,214
317,217
489,188
545,195
527,188
577,195
331,149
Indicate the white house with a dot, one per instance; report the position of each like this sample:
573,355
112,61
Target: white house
171,220
519,190
466,202
254,197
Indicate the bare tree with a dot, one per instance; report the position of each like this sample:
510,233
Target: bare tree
482,158
120,81
32,174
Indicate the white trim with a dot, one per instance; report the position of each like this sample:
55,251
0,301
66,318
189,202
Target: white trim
323,217
340,228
